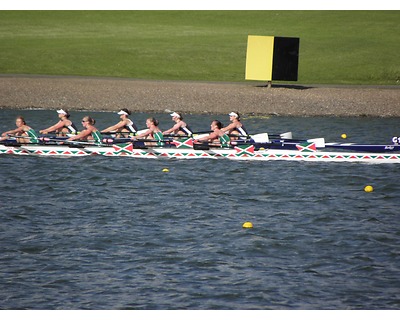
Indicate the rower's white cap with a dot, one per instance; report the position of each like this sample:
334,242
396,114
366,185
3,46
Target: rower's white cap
61,111
174,114
234,114
123,112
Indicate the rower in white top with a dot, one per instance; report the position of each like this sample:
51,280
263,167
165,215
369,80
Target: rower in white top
63,126
235,129
180,127
124,127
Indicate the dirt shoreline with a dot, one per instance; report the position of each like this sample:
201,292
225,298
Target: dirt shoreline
111,94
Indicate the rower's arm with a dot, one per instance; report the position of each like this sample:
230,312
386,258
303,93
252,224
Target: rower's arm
211,136
229,127
168,131
17,130
81,135
114,127
58,125
144,134
174,128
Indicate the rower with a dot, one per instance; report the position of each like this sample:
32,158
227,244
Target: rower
180,128
63,126
153,132
23,132
124,126
90,132
217,137
235,128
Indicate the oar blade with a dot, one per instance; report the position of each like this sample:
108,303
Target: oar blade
286,135
319,142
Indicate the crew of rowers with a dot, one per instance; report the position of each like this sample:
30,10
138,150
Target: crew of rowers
125,128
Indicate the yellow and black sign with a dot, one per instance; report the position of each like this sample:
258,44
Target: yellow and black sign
272,58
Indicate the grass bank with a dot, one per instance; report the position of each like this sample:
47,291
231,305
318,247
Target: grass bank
336,47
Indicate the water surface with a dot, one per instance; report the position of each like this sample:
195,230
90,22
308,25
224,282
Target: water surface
119,233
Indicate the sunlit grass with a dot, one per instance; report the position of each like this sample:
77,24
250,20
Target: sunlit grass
349,47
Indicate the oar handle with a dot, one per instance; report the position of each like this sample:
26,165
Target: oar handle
172,135
117,132
20,137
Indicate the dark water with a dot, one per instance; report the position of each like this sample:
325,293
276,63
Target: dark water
119,233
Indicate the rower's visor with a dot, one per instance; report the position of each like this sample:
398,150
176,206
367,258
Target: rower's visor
174,114
234,114
123,112
61,111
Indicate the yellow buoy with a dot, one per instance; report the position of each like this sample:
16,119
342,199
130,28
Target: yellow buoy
344,136
247,225
165,170
368,189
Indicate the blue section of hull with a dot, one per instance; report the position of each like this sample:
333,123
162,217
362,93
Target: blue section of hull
291,145
364,147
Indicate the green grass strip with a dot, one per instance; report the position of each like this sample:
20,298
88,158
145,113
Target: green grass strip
336,47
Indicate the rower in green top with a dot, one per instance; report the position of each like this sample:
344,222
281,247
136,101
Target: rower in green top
90,133
153,134
23,133
217,137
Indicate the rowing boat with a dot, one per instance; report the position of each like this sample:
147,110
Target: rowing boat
183,150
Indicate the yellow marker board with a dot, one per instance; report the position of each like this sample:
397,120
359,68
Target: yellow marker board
260,52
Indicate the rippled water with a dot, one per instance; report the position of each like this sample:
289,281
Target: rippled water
119,233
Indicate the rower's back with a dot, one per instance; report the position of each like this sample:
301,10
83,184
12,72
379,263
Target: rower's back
97,136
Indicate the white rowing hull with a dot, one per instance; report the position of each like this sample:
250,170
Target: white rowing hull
217,153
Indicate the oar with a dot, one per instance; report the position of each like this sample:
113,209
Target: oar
78,144
58,141
119,132
260,137
126,132
20,137
83,143
74,142
14,143
116,140
23,137
70,144
124,140
264,136
285,135
319,142
41,140
204,146
201,132
173,135
45,139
